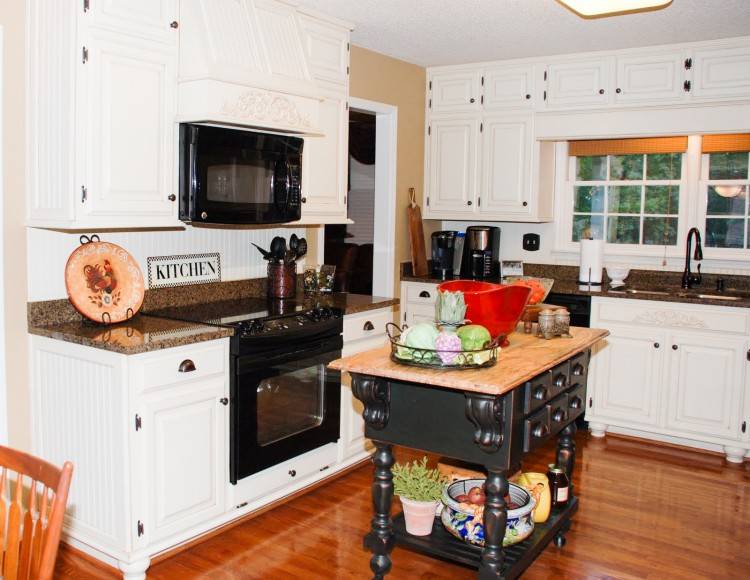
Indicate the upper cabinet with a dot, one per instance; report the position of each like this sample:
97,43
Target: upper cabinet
583,82
150,19
721,73
651,79
455,91
508,87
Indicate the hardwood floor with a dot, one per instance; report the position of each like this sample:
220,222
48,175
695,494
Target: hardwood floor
647,511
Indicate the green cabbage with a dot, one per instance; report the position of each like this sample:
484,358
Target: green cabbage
474,336
422,335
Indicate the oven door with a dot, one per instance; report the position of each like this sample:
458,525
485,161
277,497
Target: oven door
233,176
283,405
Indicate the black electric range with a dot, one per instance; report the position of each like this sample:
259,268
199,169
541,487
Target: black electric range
284,400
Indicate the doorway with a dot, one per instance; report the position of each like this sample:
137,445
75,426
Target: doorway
364,249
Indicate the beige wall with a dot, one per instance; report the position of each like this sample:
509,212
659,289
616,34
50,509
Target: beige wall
380,78
12,19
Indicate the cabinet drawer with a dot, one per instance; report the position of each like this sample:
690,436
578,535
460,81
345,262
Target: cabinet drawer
576,401
536,392
196,361
666,315
365,325
579,369
559,377
536,429
558,413
419,293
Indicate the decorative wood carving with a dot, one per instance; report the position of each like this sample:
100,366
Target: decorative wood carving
375,394
669,318
268,107
486,412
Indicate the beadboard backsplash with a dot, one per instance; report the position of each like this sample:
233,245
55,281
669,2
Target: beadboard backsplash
48,252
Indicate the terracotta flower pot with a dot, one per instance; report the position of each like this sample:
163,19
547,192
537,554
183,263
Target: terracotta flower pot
419,516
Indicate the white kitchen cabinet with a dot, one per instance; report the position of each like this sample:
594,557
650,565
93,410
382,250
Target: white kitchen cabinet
129,129
101,107
692,388
152,19
508,87
451,188
584,82
326,163
418,302
706,384
652,78
326,48
506,165
628,376
721,73
454,91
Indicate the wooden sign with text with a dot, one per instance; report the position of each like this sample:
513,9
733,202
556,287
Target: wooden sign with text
166,271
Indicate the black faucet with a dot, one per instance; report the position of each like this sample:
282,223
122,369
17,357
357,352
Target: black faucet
688,279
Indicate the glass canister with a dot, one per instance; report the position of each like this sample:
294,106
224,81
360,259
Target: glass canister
559,486
546,324
562,321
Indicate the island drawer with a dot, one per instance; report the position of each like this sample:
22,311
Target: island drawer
579,368
576,401
536,392
559,378
558,413
536,429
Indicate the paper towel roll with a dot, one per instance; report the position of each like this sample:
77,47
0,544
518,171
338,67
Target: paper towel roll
592,261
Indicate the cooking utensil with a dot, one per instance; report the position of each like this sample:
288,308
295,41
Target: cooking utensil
301,247
293,243
266,254
278,248
103,281
416,235
290,257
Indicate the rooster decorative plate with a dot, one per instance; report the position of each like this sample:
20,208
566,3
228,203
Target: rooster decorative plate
104,282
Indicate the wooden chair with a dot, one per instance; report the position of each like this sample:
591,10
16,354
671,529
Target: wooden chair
29,537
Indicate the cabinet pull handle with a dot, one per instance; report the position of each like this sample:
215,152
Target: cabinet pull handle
304,200
618,90
174,24
688,63
559,416
656,345
528,96
578,369
560,381
368,326
186,366
171,197
591,402
293,472
541,430
744,426
540,393
674,347
140,528
469,202
525,203
601,91
686,86
224,401
575,403
471,100
426,294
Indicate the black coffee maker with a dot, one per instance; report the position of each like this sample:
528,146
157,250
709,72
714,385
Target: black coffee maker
443,246
481,258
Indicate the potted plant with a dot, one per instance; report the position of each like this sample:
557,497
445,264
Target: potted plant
419,489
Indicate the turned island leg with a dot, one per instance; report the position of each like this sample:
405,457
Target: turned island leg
380,539
495,518
566,460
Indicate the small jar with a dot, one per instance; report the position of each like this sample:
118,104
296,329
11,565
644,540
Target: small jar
559,486
546,324
562,321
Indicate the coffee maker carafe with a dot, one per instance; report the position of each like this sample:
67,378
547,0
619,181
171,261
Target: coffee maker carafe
443,245
481,258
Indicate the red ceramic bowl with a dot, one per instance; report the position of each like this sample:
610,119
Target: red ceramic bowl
495,306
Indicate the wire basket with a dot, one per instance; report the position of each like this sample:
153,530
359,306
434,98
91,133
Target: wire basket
431,358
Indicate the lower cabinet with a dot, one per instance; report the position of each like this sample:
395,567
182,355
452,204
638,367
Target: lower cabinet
677,372
418,302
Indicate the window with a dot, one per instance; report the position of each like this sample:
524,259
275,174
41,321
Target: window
726,179
628,199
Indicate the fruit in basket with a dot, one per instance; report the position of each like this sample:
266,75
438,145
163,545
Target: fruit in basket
538,291
448,347
474,336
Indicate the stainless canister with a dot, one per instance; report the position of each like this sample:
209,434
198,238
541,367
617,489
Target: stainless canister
546,324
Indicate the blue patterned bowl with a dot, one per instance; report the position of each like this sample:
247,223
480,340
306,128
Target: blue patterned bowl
465,522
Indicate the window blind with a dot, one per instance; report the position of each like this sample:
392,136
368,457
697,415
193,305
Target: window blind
723,143
628,146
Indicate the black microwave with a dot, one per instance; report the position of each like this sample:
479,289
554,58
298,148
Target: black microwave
232,176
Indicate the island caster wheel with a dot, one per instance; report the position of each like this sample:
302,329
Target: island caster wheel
560,540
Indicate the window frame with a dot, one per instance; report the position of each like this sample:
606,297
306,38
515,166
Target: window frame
739,254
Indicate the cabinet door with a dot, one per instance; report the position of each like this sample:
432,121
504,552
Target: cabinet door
650,78
706,381
145,18
508,87
129,129
506,166
183,458
324,165
576,84
454,91
721,72
451,190
327,49
627,375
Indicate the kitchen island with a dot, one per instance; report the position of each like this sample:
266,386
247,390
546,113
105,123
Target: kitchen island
490,416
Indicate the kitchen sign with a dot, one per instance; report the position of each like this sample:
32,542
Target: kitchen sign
167,271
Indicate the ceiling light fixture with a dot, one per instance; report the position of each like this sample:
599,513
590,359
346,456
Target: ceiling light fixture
728,190
601,8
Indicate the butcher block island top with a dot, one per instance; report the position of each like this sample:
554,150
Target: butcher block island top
525,357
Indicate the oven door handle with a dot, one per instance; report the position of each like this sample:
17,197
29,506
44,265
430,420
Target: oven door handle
250,363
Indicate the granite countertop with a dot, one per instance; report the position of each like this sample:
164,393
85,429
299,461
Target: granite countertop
145,332
643,281
139,334
523,359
